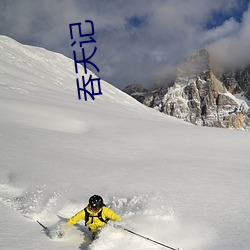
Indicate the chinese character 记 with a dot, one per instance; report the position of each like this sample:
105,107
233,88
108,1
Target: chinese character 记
91,40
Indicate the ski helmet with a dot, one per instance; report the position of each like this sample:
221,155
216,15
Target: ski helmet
95,202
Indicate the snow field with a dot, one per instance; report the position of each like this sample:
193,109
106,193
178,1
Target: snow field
181,185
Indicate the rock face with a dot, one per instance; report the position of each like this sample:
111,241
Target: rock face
201,97
237,81
137,91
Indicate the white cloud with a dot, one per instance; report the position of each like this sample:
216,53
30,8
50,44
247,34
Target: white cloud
171,31
233,50
228,28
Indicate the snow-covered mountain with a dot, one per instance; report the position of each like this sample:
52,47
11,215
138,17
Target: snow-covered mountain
202,96
182,185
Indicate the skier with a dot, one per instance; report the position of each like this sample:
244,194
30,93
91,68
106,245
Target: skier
95,214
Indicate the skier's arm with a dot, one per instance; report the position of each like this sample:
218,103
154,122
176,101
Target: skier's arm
110,214
77,217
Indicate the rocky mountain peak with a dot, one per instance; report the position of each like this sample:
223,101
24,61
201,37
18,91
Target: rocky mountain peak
196,64
202,97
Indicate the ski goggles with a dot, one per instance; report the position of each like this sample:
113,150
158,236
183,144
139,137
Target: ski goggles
94,208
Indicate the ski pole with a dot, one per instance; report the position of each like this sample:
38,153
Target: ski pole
45,228
146,238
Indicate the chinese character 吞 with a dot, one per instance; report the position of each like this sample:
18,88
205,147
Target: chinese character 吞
92,93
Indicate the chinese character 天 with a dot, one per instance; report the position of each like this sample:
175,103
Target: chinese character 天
85,38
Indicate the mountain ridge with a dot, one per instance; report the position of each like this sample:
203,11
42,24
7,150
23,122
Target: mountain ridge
200,95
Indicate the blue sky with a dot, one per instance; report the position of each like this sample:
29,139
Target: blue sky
138,41
218,17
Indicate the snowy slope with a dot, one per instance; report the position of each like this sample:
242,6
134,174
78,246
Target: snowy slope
179,184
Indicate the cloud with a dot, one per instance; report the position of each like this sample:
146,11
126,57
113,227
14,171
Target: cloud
233,49
228,28
137,41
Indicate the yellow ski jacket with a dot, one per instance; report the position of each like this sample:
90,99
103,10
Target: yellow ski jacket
94,223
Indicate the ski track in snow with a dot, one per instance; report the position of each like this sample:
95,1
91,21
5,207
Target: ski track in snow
44,117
